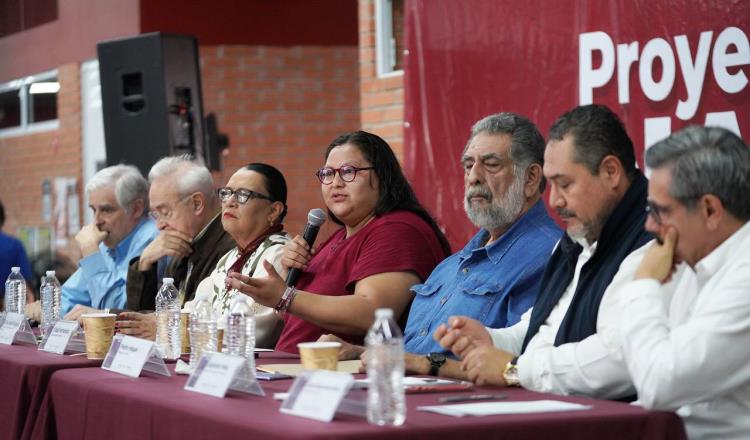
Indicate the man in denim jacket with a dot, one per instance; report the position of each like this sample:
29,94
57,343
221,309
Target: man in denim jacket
495,277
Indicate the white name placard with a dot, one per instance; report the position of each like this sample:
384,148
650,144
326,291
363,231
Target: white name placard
16,328
57,338
214,374
129,355
317,394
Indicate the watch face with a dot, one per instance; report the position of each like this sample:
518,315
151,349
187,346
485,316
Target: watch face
437,358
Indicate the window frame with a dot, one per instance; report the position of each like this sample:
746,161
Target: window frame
384,52
23,85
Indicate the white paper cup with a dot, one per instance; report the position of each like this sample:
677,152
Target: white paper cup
319,355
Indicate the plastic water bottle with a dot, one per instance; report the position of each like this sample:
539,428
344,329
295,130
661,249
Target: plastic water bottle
385,371
239,333
50,296
168,320
202,328
15,292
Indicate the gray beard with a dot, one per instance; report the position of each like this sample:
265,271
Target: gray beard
500,212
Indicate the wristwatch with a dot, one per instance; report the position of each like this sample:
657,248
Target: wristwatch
436,361
510,373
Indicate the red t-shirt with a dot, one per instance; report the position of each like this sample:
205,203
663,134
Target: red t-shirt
395,242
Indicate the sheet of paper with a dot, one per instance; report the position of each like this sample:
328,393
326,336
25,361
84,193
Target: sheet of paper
296,369
494,408
410,381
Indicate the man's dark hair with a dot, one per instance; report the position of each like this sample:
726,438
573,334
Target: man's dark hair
597,132
395,192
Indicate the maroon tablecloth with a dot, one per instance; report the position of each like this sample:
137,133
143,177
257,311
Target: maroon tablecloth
24,375
97,404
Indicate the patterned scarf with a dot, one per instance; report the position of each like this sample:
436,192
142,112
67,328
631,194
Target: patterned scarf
250,248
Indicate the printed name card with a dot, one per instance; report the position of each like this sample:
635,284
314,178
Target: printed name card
129,355
58,336
217,372
16,328
317,394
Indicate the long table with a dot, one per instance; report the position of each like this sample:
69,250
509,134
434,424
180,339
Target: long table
93,403
24,375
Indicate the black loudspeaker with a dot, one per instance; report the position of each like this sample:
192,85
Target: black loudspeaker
151,98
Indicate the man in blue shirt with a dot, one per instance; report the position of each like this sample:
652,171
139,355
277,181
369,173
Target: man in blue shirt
494,278
12,254
118,195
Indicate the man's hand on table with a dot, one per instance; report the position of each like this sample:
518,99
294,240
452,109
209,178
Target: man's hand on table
140,325
485,365
348,352
78,310
34,311
463,335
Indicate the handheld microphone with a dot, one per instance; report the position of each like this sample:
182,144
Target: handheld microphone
315,218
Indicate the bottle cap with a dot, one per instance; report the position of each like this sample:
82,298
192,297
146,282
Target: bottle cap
15,269
239,298
202,295
50,273
168,280
383,313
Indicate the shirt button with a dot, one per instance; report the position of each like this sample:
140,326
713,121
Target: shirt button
466,270
443,300
423,332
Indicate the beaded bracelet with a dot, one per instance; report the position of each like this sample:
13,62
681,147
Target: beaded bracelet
286,299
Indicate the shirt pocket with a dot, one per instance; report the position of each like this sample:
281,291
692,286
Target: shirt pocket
428,289
479,297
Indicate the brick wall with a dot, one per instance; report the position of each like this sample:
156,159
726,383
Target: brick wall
278,105
26,160
382,99
282,106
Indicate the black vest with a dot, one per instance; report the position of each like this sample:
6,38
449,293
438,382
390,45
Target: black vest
622,233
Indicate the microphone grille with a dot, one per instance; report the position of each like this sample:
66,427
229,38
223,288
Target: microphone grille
316,217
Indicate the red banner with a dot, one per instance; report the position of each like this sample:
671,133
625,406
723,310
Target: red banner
660,64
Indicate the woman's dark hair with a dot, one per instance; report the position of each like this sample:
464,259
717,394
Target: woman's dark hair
274,182
395,193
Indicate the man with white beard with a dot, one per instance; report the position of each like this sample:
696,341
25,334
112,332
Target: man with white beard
495,277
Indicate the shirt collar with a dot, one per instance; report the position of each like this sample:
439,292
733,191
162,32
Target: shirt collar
711,263
206,228
529,221
122,247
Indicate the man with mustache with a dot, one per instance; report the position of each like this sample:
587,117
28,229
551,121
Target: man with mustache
565,344
691,354
118,196
495,276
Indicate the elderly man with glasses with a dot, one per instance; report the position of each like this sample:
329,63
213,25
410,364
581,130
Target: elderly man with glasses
191,239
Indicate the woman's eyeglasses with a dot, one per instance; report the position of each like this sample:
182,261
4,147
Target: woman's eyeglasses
346,172
242,195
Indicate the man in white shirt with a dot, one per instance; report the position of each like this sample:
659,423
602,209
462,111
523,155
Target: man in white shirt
567,343
693,354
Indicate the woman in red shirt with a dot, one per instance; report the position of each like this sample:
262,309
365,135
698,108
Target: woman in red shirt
388,243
